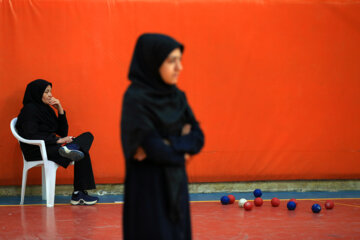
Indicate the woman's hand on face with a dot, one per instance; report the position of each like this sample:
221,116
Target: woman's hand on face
187,157
186,129
65,140
56,104
140,154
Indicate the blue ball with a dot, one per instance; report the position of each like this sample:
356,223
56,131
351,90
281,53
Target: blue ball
225,200
316,208
257,193
291,205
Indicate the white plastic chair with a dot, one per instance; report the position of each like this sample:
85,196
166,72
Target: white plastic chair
48,168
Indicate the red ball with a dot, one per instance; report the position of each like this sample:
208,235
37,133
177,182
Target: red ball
248,206
258,201
329,204
275,202
294,200
232,199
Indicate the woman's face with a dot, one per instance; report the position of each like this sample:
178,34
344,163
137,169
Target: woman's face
47,95
171,67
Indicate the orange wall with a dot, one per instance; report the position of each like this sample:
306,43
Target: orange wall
275,84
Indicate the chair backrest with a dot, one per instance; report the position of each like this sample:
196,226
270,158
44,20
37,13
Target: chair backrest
21,139
14,131
40,143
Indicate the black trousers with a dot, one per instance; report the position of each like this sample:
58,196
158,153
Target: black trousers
83,173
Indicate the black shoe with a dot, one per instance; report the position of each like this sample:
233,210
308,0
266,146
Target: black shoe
83,198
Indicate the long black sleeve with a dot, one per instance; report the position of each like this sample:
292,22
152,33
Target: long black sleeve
190,143
157,152
63,126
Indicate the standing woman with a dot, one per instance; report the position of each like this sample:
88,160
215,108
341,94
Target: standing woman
159,134
37,120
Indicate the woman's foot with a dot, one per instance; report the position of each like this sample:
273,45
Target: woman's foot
83,198
71,151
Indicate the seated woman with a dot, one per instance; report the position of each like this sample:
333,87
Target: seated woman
37,120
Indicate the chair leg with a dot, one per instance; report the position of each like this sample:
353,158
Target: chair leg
50,182
23,185
43,184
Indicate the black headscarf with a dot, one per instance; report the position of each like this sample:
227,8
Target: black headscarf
149,103
35,90
34,106
150,52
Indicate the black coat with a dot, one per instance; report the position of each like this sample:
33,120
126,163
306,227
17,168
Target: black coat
156,201
31,126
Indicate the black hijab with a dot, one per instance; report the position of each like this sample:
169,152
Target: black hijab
149,103
150,52
35,107
35,90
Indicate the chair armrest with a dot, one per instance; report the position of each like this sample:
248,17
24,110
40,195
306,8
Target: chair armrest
40,143
32,142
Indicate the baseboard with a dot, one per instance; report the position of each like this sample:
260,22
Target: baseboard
270,186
